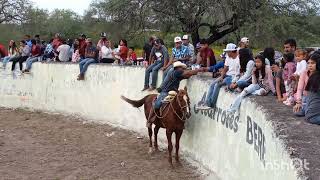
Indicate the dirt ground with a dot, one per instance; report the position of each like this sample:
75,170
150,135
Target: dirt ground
36,145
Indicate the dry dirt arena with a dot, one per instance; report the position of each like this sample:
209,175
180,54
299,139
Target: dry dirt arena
37,145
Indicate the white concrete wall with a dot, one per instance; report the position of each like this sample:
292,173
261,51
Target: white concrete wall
221,148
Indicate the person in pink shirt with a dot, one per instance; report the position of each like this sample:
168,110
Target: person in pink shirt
299,108
288,78
262,83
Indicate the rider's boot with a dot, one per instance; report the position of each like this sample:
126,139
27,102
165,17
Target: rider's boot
152,117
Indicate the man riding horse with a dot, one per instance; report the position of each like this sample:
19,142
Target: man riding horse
171,83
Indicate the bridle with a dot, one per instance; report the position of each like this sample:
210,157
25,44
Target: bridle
184,109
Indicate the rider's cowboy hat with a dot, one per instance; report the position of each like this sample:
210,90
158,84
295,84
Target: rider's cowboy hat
179,64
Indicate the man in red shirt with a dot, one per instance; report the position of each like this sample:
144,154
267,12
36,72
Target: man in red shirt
35,55
82,45
207,57
3,51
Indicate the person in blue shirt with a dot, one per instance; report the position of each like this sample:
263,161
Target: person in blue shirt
27,39
179,53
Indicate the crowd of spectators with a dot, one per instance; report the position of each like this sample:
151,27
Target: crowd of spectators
293,78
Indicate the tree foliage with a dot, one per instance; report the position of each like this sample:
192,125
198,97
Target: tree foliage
13,10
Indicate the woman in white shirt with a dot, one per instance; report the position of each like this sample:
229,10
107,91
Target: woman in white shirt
106,53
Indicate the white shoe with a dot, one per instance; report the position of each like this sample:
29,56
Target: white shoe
203,107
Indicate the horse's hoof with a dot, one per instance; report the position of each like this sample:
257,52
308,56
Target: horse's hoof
150,150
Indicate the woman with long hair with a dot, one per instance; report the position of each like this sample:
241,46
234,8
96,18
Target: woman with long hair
301,101
262,83
246,67
12,52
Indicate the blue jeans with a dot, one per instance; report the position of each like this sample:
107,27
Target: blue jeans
243,84
302,111
314,120
167,71
158,101
214,89
84,64
29,62
251,89
216,67
6,60
153,68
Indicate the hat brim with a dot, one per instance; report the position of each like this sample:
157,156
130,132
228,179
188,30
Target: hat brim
229,50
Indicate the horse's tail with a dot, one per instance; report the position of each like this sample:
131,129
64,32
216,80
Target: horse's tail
137,103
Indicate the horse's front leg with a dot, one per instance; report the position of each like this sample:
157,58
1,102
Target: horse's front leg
169,135
156,130
178,136
150,140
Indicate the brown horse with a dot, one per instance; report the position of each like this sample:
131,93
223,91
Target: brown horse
172,118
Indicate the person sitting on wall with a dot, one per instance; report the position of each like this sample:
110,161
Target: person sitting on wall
35,55
186,42
91,56
262,83
207,57
229,74
246,67
313,67
312,106
132,56
159,55
106,53
82,45
63,52
171,83
179,53
24,53
48,52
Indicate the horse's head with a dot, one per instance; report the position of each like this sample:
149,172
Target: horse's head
184,101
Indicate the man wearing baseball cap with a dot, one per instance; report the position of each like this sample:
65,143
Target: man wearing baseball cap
244,43
179,53
171,83
186,42
159,55
207,57
230,73
102,42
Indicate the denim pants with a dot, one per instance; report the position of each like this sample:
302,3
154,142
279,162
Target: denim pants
314,120
6,60
84,64
167,71
29,62
243,84
302,111
214,89
216,67
251,89
158,101
153,70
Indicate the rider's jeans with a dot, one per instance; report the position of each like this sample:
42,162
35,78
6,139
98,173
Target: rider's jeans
158,102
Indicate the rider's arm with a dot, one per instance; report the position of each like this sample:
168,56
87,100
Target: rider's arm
188,73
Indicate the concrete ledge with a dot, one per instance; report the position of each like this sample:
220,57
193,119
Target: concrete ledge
261,142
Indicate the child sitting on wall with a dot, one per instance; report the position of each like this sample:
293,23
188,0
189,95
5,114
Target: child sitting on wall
132,57
288,78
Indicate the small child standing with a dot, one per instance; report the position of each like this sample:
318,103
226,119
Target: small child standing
301,56
132,56
288,72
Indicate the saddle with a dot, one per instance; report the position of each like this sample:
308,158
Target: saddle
170,97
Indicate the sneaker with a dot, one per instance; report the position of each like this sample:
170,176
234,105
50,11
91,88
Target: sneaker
203,107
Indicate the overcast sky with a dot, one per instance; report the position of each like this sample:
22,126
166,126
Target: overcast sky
78,6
